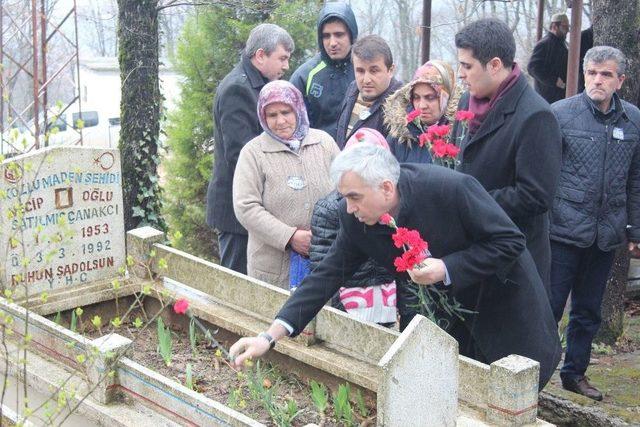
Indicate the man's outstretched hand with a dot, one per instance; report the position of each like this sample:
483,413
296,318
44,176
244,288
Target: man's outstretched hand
252,347
247,348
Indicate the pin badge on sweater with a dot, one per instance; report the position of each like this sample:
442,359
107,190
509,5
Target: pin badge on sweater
296,182
618,133
364,114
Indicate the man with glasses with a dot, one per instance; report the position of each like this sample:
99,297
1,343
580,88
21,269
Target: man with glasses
548,63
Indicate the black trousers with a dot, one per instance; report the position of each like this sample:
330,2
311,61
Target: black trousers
233,251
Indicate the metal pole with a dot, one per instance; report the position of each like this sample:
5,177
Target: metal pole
43,53
78,87
426,30
573,63
540,19
1,77
34,40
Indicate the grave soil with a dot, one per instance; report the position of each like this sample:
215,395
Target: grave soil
615,371
216,379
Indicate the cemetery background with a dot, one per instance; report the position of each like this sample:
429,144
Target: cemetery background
197,149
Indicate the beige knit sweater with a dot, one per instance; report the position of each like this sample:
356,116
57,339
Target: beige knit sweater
274,192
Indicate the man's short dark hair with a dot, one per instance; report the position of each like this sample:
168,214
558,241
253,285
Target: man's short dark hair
371,47
487,39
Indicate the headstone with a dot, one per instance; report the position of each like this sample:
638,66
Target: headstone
419,384
61,218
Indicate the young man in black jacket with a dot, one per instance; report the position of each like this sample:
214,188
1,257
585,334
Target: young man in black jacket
477,254
323,80
513,144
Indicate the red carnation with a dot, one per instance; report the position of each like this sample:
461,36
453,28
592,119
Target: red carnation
400,236
423,139
387,219
360,136
400,264
439,130
181,305
464,115
439,148
411,116
452,150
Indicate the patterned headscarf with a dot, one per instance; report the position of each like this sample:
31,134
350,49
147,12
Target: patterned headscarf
435,75
285,92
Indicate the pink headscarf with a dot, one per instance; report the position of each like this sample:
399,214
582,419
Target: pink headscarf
440,82
368,136
285,92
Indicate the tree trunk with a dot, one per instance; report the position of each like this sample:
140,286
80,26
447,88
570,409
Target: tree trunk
617,23
139,111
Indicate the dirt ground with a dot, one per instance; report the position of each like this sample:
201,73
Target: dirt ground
615,371
214,378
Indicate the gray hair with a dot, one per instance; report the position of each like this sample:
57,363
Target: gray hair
267,37
600,54
372,163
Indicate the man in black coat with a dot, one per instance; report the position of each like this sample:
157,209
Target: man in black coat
265,58
597,206
478,257
513,145
374,82
548,62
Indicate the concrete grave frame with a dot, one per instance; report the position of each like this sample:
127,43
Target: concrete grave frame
450,390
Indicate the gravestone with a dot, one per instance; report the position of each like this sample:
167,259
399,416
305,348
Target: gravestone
419,384
61,220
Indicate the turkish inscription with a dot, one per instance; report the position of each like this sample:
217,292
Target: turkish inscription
61,221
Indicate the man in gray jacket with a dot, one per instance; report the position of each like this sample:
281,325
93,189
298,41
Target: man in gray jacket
597,205
323,79
265,58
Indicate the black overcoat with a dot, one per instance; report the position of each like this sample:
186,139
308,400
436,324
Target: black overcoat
491,271
236,122
548,62
516,155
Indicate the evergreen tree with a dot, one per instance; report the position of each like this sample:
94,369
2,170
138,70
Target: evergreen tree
209,48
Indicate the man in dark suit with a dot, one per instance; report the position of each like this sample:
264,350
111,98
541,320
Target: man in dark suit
265,58
374,82
513,145
478,257
548,62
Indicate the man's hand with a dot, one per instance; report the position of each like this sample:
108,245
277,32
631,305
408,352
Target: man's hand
300,241
432,271
251,347
561,84
246,348
634,250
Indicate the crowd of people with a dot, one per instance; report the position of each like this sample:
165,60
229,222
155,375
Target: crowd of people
541,197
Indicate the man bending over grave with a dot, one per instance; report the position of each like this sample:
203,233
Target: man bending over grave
476,255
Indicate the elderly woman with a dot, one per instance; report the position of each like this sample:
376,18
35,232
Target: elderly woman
279,176
429,95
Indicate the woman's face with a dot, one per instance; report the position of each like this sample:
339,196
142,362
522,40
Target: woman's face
426,100
281,119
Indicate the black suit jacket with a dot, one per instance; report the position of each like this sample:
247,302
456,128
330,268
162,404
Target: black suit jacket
516,155
491,271
236,123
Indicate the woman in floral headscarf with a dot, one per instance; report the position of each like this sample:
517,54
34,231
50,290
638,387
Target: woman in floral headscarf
427,100
279,176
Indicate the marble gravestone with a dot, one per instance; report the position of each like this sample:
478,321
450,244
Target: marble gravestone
61,219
